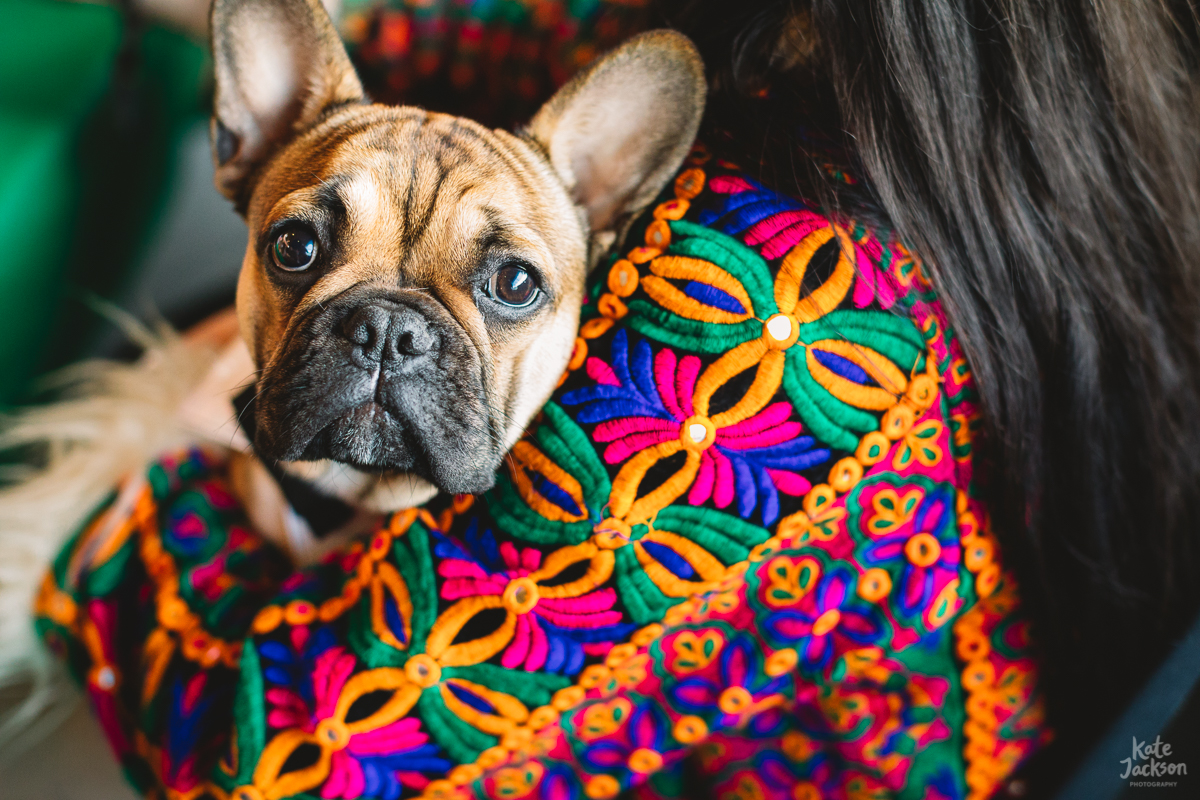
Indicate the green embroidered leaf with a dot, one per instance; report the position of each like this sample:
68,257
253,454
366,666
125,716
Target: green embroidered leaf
416,567
698,241
566,441
531,688
655,322
727,537
797,383
249,716
462,742
644,601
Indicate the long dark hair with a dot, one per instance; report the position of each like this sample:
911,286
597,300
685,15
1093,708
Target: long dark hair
1043,159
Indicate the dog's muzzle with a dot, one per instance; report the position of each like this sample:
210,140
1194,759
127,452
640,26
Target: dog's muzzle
384,380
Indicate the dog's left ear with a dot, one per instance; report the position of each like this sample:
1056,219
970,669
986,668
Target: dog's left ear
279,65
618,131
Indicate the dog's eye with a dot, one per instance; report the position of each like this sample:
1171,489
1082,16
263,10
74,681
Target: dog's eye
295,249
513,286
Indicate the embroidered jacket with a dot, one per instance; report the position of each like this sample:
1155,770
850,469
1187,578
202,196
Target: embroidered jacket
744,529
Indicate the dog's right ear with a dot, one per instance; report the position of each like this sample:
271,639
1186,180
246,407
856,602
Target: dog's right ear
279,65
617,132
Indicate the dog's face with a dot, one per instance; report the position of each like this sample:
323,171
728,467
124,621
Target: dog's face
410,292
412,282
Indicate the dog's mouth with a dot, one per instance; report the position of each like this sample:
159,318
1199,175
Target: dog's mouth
371,439
383,382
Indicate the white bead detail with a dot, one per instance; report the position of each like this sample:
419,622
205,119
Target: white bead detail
780,327
697,431
106,679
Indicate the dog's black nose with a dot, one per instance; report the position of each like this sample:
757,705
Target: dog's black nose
387,333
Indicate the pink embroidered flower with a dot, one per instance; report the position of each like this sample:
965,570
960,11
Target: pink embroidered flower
561,616
377,762
642,401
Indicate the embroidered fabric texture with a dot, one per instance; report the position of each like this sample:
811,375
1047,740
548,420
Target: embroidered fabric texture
744,528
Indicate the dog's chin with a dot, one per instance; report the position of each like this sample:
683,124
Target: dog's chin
370,439
377,445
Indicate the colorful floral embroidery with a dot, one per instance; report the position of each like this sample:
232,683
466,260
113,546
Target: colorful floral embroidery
657,410
911,532
549,623
375,755
743,528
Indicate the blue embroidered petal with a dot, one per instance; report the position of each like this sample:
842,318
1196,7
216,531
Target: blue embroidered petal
753,213
612,409
843,367
712,296
643,375
676,563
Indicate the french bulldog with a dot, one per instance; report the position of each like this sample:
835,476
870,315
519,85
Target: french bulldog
412,281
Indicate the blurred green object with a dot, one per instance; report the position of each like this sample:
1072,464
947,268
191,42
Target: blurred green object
91,108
